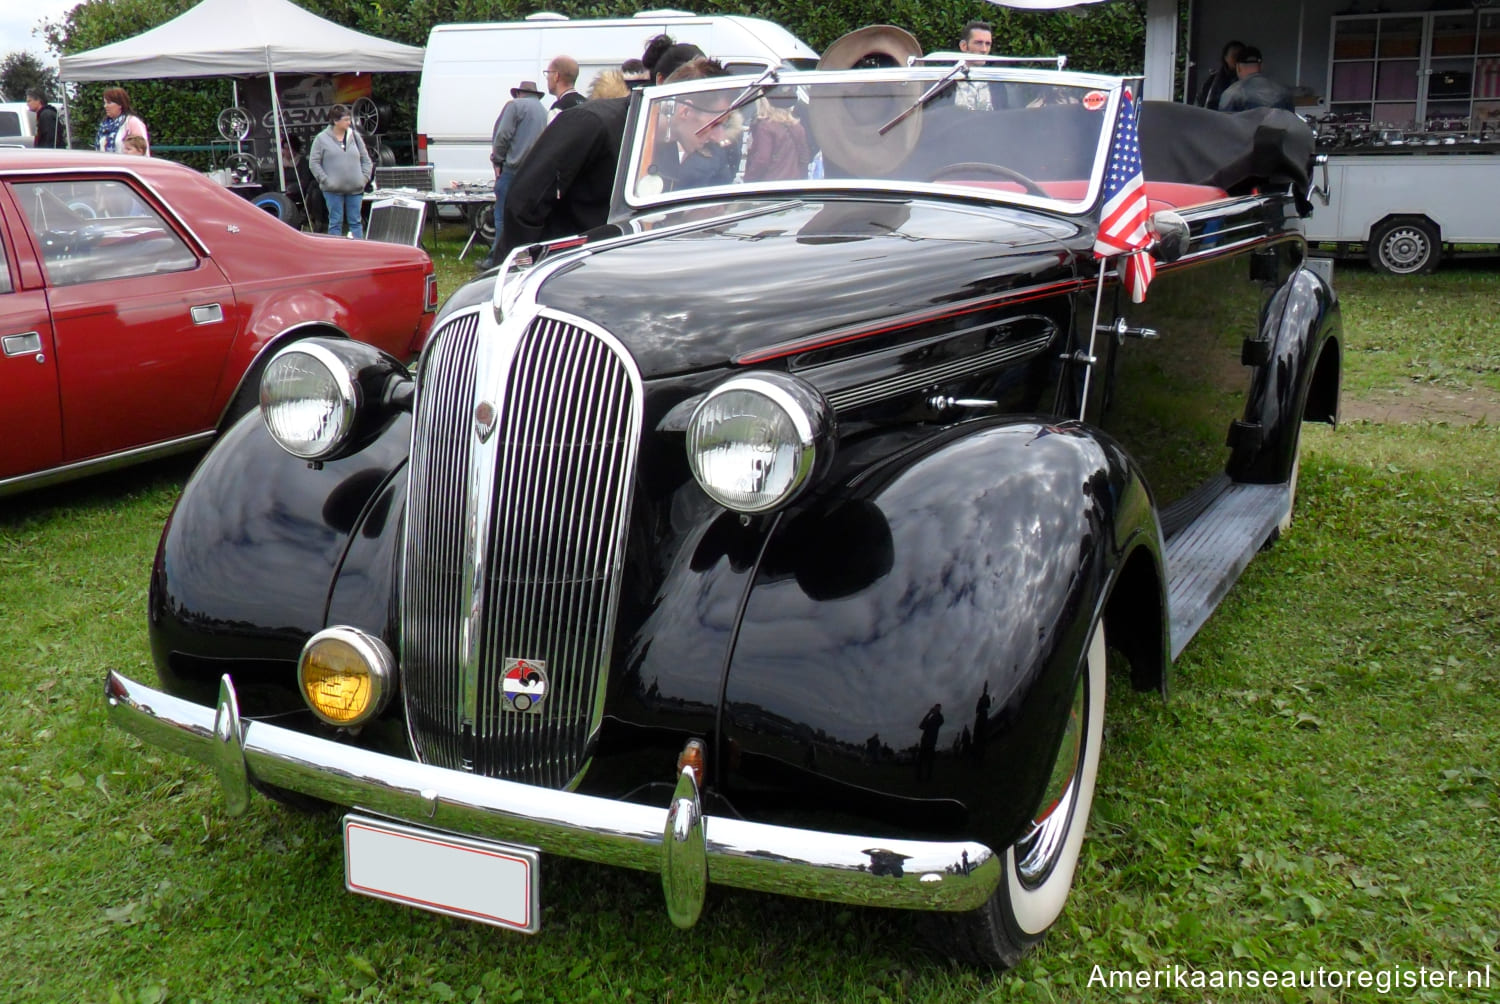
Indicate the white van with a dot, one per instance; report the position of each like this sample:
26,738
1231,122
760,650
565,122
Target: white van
469,69
17,124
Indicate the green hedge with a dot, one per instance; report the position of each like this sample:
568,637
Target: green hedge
1108,37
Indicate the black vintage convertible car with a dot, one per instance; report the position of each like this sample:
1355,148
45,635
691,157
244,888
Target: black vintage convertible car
774,535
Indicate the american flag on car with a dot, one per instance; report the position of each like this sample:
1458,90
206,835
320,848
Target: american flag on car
1123,222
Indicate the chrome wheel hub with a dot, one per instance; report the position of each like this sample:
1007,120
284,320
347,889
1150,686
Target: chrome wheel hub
1405,250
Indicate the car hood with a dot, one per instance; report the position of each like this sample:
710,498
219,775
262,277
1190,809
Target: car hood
695,296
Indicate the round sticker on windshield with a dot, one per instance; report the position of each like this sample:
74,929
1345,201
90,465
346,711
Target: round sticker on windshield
1094,100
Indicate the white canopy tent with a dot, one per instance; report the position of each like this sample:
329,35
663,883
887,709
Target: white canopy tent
1161,39
232,38
236,38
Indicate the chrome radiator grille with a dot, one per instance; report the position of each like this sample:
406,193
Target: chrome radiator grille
561,461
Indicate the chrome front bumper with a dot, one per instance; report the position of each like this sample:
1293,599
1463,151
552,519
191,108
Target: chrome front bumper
680,843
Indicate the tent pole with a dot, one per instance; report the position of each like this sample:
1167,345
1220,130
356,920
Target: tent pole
67,119
1188,62
1301,25
278,128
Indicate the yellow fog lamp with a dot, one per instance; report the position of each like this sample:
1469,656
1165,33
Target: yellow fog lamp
346,676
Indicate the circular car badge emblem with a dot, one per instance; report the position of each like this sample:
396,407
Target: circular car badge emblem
1094,100
484,420
524,684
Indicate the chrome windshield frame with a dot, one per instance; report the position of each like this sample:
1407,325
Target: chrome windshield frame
633,152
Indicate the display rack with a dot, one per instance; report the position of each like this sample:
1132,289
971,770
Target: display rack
1437,71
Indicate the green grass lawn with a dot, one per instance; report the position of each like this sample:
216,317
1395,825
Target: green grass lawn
1320,791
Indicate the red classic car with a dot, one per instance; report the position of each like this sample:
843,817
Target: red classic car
139,302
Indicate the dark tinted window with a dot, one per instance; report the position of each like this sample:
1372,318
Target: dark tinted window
10,124
737,68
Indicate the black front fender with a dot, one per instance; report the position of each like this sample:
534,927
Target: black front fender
909,650
247,564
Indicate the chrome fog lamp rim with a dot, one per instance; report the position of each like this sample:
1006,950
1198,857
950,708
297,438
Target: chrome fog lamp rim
809,414
379,664
344,383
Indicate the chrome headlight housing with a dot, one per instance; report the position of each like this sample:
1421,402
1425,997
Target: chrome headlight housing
308,399
346,676
322,398
756,441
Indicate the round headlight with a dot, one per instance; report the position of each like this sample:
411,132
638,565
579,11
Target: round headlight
755,441
346,675
308,399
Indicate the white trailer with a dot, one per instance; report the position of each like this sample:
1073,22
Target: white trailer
1403,69
1404,209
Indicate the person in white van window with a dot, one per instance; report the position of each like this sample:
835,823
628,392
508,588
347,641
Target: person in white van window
562,75
520,123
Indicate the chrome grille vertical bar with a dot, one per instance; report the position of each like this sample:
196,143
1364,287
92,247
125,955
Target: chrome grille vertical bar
520,536
433,550
551,587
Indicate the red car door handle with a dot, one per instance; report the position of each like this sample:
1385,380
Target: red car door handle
207,313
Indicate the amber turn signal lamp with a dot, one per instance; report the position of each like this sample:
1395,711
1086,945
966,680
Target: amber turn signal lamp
345,675
693,755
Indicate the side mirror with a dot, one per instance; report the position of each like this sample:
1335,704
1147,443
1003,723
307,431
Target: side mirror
1172,235
1323,190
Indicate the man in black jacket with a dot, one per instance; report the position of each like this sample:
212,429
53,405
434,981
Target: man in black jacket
562,80
1223,75
563,185
47,132
1254,89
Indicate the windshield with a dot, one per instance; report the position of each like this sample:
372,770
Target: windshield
1031,136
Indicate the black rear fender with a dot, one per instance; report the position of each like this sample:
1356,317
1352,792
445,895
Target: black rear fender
1298,378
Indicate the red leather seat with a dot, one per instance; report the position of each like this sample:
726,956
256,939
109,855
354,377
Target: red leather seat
1159,194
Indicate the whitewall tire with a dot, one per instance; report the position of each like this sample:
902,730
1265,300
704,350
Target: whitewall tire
1039,867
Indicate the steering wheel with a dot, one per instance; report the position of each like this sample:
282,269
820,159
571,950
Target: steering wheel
949,171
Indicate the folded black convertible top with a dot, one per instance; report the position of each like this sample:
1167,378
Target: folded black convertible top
1234,151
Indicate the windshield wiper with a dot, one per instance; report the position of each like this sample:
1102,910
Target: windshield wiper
928,95
752,92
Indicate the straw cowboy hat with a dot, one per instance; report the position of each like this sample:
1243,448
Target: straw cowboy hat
849,132
872,45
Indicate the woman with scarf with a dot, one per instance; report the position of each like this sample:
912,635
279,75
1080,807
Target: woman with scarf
118,122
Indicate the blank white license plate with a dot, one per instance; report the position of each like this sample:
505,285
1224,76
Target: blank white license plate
459,876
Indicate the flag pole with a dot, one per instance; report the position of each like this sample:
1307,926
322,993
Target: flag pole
1088,360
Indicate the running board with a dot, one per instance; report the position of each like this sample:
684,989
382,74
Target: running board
1208,555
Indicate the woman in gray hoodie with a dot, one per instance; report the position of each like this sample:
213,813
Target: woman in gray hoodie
341,166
